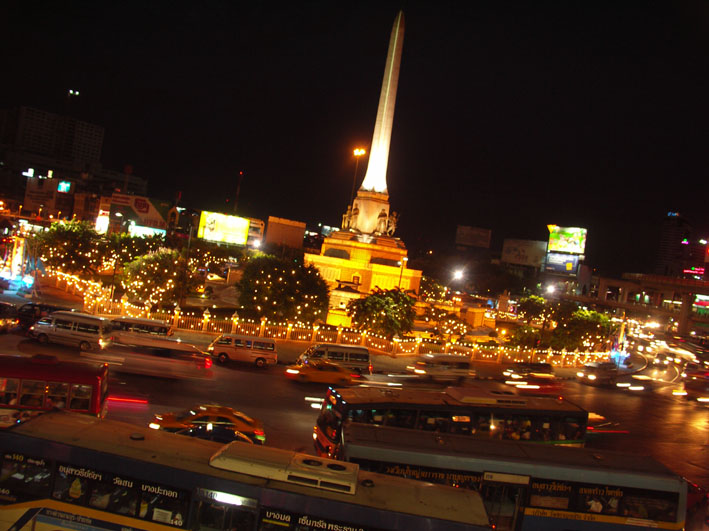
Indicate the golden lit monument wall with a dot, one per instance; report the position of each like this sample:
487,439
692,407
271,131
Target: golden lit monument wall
364,255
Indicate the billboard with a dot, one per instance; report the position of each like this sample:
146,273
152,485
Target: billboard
472,237
141,210
562,263
524,252
566,239
144,232
218,227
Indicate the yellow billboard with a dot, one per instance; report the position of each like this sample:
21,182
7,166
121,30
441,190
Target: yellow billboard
218,227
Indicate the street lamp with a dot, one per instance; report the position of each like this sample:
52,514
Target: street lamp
358,152
402,263
458,274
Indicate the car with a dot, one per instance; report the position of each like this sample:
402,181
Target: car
32,312
598,373
220,434
215,415
537,383
319,371
8,316
523,368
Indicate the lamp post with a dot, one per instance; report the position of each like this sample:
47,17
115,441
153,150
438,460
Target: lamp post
358,152
402,263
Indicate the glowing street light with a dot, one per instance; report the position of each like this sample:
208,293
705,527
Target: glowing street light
358,152
458,274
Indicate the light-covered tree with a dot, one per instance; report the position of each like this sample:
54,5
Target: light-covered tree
158,278
386,312
71,247
282,290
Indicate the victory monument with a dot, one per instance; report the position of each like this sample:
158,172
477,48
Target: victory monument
365,254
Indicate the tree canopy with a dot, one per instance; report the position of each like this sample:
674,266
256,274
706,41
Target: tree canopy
281,289
158,278
385,312
72,247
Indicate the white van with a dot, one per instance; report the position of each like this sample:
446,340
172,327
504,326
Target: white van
88,332
442,368
261,351
353,357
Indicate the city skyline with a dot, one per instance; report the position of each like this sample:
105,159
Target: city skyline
506,119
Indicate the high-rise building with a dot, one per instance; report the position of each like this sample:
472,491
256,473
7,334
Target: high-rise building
678,247
37,147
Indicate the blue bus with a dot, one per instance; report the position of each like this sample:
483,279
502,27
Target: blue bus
64,471
528,486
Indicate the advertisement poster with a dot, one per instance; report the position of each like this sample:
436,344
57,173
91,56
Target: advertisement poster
218,227
566,239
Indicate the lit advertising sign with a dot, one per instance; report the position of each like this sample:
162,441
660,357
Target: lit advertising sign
218,227
562,263
144,232
566,239
64,187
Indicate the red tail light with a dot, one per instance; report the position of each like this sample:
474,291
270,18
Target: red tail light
207,363
355,375
259,432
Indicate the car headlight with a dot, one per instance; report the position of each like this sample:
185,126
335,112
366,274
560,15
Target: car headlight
154,426
292,371
579,374
591,376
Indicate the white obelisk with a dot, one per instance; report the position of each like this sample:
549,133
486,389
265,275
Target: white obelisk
370,209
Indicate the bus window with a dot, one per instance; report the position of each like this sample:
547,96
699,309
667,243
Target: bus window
57,394
32,393
401,418
115,498
80,397
25,475
218,516
8,391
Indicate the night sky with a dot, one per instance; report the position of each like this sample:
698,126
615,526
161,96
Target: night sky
509,116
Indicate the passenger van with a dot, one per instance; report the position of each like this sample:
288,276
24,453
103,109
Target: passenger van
353,357
261,351
443,368
86,331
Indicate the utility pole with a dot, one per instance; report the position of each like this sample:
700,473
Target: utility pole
238,189
183,295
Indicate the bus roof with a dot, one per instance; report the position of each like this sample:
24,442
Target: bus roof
158,447
479,394
50,368
462,452
141,320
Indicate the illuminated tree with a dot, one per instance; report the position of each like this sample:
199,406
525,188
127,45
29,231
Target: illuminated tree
158,278
388,313
431,290
532,307
282,290
584,329
71,247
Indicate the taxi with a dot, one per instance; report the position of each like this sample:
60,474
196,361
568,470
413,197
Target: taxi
317,371
216,415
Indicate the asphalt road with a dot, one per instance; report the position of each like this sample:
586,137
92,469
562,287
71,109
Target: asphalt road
654,421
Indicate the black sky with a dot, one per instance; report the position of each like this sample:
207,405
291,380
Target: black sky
509,116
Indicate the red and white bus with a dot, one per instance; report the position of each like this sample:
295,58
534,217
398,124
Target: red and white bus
29,386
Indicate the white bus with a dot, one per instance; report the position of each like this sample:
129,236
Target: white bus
139,331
